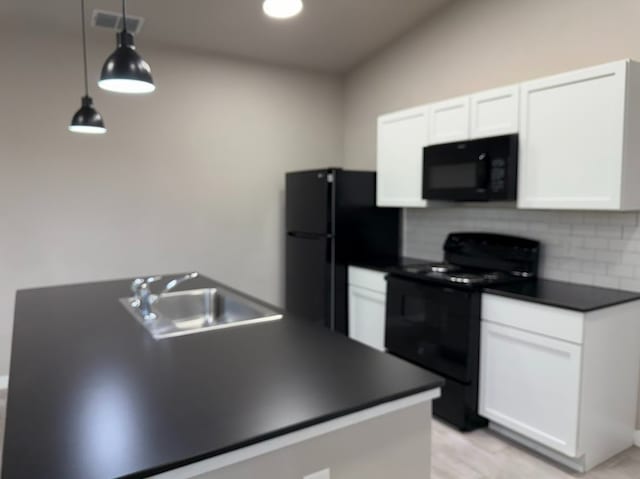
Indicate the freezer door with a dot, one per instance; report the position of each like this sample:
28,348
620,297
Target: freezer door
309,278
309,202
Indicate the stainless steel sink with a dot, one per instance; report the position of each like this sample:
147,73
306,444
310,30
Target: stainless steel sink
198,310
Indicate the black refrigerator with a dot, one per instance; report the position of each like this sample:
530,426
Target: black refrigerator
332,221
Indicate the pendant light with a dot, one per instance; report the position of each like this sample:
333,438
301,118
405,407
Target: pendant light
86,119
282,8
125,71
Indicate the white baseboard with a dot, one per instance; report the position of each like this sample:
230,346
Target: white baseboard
4,382
636,438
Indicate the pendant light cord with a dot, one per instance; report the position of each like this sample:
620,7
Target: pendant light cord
84,49
124,16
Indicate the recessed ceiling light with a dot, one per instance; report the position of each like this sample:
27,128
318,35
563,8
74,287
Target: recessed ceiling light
282,8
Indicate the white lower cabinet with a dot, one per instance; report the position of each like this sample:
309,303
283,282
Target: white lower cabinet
531,384
561,381
367,306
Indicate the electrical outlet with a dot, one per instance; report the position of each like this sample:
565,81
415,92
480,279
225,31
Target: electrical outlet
324,474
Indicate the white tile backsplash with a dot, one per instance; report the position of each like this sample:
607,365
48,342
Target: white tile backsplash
598,248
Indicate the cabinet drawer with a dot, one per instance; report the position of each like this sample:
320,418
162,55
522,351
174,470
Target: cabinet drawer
368,278
536,318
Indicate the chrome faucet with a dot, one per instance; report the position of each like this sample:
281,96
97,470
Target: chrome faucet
144,298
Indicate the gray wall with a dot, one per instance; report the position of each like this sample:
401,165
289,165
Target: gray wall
191,177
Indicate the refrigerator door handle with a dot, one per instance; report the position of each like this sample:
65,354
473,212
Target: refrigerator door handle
332,294
301,235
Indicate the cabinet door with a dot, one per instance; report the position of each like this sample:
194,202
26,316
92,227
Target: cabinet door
530,384
401,138
495,112
449,121
367,316
571,140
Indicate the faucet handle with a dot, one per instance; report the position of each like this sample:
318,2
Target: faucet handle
141,283
175,282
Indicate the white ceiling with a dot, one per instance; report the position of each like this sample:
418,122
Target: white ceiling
329,35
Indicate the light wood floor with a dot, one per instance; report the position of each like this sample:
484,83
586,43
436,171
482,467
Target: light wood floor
482,454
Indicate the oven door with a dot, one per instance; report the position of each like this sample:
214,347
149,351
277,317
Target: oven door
432,326
457,175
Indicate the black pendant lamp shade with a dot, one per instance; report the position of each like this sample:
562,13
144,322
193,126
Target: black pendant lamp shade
125,71
86,119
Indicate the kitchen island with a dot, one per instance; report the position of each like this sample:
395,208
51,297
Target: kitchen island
93,395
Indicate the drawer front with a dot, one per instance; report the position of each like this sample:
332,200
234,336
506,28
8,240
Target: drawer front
368,278
536,318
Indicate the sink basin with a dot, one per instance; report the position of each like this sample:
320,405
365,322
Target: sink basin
198,310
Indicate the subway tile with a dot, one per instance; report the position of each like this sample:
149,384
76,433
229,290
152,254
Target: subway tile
594,267
556,274
606,281
630,284
575,241
617,244
630,259
609,231
583,230
631,232
582,253
624,219
629,245
561,228
620,270
597,243
597,218
609,256
582,278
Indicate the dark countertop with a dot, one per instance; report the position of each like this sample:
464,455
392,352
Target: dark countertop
572,296
93,395
386,264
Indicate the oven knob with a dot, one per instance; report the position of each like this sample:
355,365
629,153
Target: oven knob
498,163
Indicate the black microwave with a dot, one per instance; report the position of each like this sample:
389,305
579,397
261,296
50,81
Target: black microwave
477,170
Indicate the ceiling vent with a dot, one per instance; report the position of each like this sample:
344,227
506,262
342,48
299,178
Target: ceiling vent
113,21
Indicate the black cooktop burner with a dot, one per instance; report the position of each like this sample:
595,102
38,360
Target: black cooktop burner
453,274
444,268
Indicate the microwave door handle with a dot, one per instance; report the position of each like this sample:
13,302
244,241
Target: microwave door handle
483,171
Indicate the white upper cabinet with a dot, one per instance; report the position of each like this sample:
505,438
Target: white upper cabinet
449,120
401,137
495,112
579,142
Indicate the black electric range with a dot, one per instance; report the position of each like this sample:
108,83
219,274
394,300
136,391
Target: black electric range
433,313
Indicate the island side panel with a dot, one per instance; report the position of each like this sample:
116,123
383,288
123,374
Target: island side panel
394,445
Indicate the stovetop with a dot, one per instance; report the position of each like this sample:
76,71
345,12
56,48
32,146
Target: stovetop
460,276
